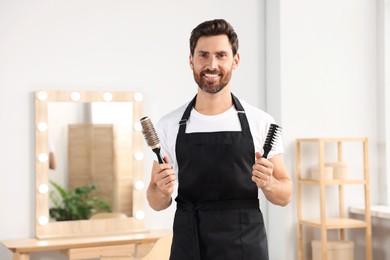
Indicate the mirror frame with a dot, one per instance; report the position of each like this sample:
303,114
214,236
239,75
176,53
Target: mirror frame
46,229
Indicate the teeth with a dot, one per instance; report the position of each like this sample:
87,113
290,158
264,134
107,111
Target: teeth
211,75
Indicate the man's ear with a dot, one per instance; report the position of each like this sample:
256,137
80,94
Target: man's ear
236,60
190,61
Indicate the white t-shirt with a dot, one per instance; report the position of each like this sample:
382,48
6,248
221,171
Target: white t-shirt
259,122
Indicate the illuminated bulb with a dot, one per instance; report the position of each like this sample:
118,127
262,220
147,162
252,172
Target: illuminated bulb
138,97
139,236
139,156
42,127
75,96
43,157
137,126
139,185
43,188
139,214
42,243
43,220
42,95
107,96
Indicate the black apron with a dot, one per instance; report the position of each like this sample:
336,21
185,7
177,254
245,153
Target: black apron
218,215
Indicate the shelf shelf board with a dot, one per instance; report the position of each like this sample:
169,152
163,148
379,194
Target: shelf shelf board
327,140
335,223
332,182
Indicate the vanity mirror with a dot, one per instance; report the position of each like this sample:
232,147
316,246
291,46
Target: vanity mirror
97,139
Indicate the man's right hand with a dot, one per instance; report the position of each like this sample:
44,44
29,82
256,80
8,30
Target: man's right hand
161,185
163,176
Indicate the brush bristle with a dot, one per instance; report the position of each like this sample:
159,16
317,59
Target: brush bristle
272,137
149,132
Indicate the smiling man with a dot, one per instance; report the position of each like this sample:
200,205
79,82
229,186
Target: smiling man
212,147
213,70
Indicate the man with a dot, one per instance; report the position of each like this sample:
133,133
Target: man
214,145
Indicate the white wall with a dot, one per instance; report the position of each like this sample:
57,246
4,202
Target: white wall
324,56
383,20
103,45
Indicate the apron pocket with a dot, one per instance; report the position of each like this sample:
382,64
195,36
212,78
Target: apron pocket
253,235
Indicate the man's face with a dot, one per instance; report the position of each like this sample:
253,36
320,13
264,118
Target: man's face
213,63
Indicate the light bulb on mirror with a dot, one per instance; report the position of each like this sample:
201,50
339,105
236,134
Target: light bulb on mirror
43,188
139,214
42,95
43,157
138,97
107,96
43,220
137,126
139,155
42,127
75,96
139,185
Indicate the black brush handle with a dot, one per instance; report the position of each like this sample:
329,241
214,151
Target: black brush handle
159,157
267,149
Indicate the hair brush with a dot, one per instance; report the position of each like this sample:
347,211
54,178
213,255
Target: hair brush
272,136
151,137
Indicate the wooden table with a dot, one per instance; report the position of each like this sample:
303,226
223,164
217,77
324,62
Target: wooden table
84,247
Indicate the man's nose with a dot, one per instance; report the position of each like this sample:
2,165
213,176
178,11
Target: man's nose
212,63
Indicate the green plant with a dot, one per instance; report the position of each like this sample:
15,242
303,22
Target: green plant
75,204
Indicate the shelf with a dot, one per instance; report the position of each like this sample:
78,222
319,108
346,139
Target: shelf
331,182
332,140
335,223
339,222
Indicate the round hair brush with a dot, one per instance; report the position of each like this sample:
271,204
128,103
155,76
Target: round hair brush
151,137
272,136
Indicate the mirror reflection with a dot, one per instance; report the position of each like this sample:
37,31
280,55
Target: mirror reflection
89,142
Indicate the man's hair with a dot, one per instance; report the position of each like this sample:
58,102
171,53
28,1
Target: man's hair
213,28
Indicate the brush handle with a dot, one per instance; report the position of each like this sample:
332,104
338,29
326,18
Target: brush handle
267,149
159,157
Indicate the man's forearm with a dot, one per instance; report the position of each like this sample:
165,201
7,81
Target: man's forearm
279,193
157,200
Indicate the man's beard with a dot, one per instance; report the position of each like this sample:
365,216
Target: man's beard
211,86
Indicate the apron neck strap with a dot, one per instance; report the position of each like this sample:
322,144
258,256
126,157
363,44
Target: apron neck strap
184,119
240,111
241,114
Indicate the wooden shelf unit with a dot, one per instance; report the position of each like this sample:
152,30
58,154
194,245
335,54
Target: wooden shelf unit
323,223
